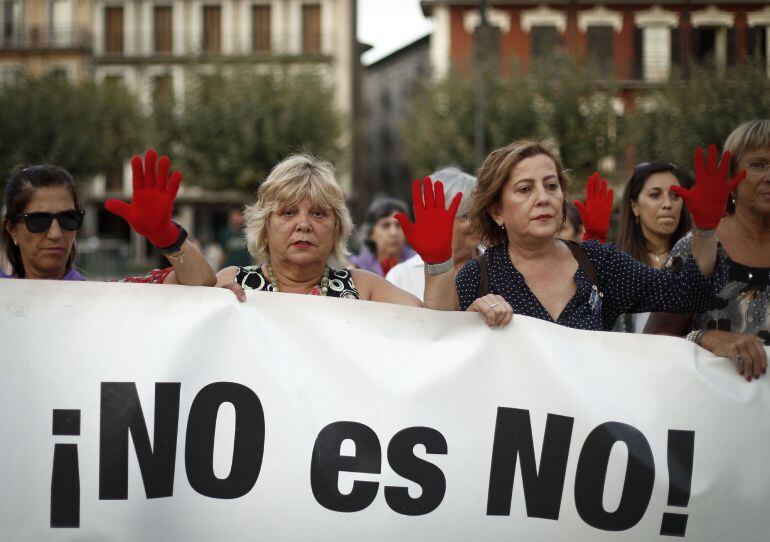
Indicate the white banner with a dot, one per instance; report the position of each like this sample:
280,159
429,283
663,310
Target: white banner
143,412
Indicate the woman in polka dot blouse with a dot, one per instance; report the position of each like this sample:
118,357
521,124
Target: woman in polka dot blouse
518,209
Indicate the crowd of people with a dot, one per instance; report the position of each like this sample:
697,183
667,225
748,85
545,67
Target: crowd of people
691,256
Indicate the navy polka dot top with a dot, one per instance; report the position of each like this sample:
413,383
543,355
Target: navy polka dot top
627,286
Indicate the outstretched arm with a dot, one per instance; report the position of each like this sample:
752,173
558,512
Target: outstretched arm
149,214
706,202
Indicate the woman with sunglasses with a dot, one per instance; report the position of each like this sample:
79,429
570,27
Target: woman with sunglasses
652,219
43,216
738,326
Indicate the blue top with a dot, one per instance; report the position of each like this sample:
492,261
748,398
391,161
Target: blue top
72,275
627,286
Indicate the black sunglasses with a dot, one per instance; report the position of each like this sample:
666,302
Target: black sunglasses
40,222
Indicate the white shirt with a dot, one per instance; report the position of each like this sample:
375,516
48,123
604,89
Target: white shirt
409,275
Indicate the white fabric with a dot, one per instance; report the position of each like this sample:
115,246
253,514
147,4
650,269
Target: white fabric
409,275
315,361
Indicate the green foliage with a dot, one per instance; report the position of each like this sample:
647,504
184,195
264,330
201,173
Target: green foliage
86,128
559,99
695,112
235,125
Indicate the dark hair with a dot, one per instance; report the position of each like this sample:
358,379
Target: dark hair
19,190
573,216
381,207
630,236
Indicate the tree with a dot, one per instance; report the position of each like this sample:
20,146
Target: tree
86,128
695,112
235,124
558,99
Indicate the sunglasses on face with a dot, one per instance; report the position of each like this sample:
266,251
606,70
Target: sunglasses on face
40,222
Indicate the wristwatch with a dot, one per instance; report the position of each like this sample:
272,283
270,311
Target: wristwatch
177,246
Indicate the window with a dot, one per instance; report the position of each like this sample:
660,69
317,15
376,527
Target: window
311,28
756,42
260,28
656,52
161,89
162,28
113,30
61,23
545,39
10,21
212,29
713,44
601,47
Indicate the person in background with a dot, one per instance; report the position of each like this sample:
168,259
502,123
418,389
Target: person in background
43,216
384,242
652,219
572,229
409,275
518,208
738,327
233,241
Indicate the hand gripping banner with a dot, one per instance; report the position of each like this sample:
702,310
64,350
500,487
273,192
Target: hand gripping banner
139,412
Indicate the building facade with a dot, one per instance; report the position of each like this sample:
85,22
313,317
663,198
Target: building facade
635,42
388,87
153,46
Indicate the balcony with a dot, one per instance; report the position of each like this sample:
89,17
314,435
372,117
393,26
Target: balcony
44,38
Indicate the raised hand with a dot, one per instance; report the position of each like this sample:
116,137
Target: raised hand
707,200
149,212
431,234
597,210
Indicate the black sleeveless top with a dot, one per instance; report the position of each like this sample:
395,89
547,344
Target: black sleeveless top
340,282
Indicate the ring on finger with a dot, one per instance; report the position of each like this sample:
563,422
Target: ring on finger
738,359
493,305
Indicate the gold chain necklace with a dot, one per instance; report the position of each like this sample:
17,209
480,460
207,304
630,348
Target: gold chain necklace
323,285
657,255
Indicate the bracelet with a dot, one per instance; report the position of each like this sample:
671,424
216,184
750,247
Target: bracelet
177,246
700,232
177,257
696,335
438,268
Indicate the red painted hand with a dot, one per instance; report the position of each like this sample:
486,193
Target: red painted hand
431,233
707,200
597,210
149,212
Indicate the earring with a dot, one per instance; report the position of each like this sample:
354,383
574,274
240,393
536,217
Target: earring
502,225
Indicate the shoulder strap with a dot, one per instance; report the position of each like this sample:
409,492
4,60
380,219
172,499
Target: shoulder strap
582,258
484,286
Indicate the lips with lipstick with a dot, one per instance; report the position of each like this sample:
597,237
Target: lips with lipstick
302,243
543,217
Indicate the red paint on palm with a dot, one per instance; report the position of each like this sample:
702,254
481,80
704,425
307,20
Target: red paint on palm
149,212
707,200
597,210
431,234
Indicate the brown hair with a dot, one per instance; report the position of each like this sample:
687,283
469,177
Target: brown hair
495,172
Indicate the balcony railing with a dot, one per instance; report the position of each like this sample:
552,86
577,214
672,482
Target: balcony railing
45,38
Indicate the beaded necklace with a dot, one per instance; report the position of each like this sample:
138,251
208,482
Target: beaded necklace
322,287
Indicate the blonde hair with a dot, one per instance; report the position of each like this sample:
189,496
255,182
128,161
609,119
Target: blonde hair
750,135
495,172
295,178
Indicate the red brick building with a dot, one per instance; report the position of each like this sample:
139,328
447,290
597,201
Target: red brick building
637,43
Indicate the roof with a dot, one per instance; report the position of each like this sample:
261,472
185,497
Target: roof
428,5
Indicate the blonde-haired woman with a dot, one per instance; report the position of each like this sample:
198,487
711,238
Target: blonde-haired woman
297,232
518,210
738,326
